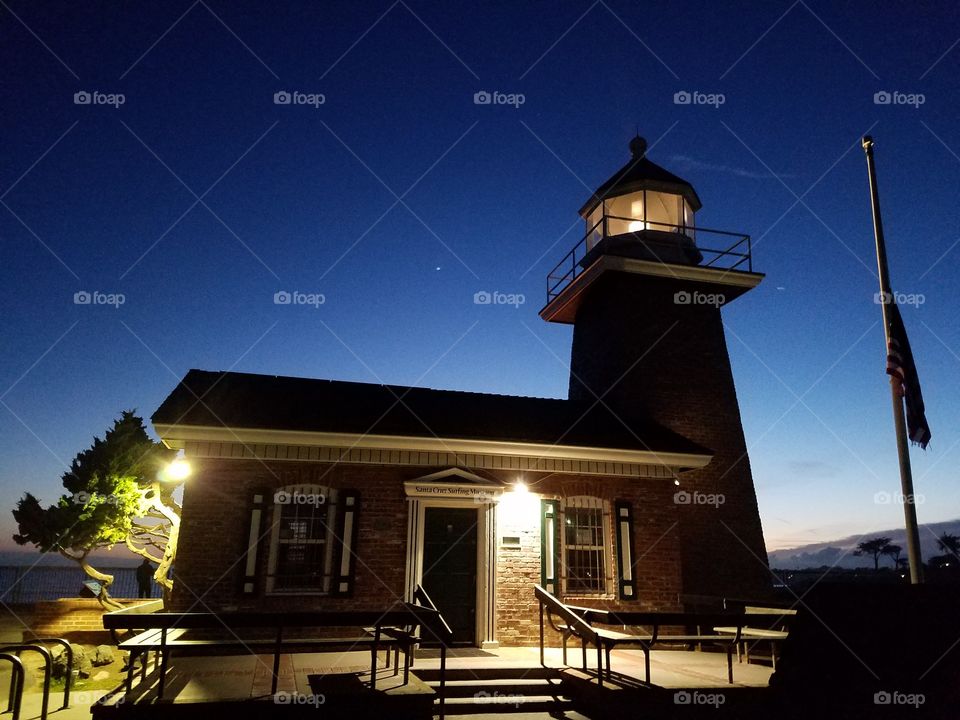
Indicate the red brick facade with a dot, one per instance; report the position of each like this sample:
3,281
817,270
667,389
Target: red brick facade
211,558
668,361
656,554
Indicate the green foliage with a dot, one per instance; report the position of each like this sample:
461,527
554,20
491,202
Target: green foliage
107,485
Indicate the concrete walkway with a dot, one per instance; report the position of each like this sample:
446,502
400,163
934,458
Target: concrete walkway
198,679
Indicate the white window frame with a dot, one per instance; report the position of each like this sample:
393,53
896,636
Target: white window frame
587,501
330,508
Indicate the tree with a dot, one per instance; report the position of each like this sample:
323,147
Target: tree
117,494
949,544
893,552
874,548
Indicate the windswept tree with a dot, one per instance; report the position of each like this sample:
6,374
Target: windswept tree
893,552
119,491
874,547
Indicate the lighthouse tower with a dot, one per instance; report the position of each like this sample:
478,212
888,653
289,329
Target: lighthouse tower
644,290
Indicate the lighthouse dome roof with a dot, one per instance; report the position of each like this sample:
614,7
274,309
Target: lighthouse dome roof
640,173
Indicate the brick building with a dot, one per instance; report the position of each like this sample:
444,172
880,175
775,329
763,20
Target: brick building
634,492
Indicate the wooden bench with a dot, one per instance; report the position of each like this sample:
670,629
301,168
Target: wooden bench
775,631
658,629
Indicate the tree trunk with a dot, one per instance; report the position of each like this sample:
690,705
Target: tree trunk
171,513
103,597
162,574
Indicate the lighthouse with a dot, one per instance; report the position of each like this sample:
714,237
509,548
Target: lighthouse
645,290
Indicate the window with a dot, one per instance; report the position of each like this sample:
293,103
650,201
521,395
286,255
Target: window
302,540
585,544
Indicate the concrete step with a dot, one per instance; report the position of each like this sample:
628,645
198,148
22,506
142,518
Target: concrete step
509,686
505,704
505,692
489,673
564,714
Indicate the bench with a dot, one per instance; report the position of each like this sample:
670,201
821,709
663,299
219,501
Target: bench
162,633
775,631
658,630
408,637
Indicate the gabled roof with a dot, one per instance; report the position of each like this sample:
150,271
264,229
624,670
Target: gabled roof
242,400
641,174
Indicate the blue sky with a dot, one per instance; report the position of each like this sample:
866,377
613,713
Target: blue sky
100,197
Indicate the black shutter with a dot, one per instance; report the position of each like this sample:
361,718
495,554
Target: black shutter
623,531
255,542
348,515
550,546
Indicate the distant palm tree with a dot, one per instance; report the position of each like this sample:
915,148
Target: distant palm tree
875,548
950,544
893,552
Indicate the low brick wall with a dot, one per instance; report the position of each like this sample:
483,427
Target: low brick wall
67,617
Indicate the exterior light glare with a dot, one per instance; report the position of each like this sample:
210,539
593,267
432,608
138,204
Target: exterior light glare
178,470
518,511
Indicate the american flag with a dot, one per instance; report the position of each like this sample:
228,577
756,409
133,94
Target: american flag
901,368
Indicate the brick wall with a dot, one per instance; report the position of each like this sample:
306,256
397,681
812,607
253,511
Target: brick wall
669,361
66,617
216,524
655,546
215,528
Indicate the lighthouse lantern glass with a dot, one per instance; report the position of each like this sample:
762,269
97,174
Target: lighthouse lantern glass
637,211
595,226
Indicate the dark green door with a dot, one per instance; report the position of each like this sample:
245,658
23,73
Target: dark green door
450,568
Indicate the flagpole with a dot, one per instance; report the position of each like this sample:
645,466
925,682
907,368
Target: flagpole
900,426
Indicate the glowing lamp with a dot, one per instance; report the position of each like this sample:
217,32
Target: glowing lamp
177,470
644,206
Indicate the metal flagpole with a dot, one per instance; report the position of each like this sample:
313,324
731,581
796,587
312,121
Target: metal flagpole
903,448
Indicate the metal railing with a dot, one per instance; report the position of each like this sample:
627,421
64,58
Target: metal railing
737,257
25,584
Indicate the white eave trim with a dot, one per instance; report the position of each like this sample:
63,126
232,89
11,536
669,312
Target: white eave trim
176,436
700,273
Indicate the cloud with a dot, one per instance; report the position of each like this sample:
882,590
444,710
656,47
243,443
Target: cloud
829,552
686,163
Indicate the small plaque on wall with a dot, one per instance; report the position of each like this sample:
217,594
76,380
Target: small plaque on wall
510,540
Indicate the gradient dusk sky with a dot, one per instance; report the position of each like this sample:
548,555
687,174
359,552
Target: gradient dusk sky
398,198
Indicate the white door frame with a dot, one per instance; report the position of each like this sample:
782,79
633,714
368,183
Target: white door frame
485,615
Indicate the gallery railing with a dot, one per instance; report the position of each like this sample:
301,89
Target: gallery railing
735,257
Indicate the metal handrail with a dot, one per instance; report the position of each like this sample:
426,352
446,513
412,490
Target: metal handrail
569,268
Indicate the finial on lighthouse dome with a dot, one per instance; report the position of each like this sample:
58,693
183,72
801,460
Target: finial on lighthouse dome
638,147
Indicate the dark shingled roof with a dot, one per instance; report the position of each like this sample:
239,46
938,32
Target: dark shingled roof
639,174
242,400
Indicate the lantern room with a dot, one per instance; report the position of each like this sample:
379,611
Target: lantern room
643,221
644,211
